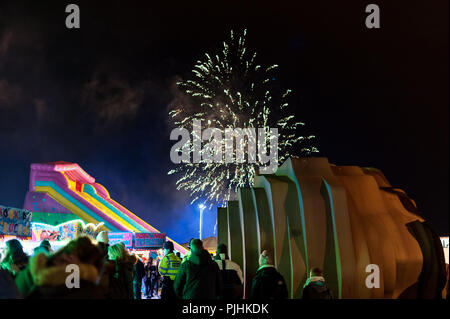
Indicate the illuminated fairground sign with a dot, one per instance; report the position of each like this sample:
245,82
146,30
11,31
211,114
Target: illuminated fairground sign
121,237
15,222
138,240
65,231
149,240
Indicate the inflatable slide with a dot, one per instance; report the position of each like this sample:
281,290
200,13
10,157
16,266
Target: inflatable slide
68,189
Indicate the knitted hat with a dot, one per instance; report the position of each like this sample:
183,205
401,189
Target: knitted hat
102,237
222,249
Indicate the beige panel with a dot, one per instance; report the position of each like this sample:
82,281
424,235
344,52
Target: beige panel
378,225
297,228
222,226
277,190
297,247
235,233
249,237
309,174
338,214
408,254
264,220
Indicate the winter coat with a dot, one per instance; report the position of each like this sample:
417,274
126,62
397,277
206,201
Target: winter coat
41,280
105,273
315,288
139,270
268,283
231,277
8,289
121,279
151,272
198,278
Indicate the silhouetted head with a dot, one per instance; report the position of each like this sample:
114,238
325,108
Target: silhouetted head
221,252
168,247
196,245
14,252
83,249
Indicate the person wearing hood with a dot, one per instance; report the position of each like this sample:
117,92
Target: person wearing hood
46,275
315,287
268,283
232,278
121,278
199,276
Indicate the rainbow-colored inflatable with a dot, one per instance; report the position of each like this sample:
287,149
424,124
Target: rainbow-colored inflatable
65,188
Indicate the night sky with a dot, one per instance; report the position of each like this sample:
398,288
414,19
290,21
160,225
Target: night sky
98,96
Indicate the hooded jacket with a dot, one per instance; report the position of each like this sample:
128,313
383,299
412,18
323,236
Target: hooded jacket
268,283
315,288
198,278
41,280
121,278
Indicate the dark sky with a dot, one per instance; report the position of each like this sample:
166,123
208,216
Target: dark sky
99,96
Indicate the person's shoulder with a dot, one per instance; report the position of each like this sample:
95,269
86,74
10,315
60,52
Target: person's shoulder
307,288
259,274
233,264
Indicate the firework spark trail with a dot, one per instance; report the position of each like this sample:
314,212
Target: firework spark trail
230,90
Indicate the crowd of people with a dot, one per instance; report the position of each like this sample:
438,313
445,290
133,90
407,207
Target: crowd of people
112,272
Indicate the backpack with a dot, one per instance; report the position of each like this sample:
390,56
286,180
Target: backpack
232,286
315,293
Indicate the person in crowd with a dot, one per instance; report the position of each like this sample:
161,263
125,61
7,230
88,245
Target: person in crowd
179,256
232,278
108,265
151,278
8,289
147,278
44,247
103,243
199,276
15,258
46,276
188,253
156,279
139,273
168,268
315,287
268,283
121,277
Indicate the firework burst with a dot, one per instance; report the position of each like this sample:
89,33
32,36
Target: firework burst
230,90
